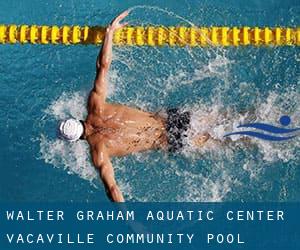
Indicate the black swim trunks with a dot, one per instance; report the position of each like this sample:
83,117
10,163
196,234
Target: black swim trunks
177,125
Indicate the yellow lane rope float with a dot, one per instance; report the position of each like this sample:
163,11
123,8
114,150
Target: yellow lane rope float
152,36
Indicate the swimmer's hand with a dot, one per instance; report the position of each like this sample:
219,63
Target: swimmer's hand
105,57
115,24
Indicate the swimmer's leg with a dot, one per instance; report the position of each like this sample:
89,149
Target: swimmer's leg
200,140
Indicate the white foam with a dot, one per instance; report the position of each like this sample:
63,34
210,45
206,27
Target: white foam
72,157
271,110
68,105
216,120
213,116
200,188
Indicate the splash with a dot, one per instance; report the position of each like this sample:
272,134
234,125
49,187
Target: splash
68,105
214,86
72,157
218,120
212,189
192,185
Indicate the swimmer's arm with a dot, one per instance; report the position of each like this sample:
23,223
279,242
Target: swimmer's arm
105,56
103,164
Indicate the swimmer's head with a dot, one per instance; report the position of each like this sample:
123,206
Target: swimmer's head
70,130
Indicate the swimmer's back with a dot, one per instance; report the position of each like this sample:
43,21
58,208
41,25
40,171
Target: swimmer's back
126,130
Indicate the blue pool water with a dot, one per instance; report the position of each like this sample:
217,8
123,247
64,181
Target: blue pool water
42,84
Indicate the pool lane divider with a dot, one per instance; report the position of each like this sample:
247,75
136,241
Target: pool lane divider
152,35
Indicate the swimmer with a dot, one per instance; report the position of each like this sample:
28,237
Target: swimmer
114,130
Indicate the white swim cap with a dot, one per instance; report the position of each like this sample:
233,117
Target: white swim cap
70,130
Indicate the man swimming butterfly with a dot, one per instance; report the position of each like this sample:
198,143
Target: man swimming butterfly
117,130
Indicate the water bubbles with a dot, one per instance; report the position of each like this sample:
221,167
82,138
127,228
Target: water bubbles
221,88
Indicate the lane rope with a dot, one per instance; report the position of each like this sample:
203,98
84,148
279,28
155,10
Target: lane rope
152,35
